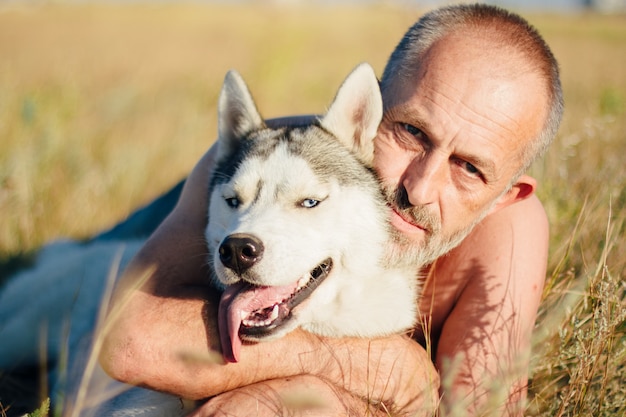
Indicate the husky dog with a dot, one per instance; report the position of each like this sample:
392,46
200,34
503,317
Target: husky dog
297,232
298,229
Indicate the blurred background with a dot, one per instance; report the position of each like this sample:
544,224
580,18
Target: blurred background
105,105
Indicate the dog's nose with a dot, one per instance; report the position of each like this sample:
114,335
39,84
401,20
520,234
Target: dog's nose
240,251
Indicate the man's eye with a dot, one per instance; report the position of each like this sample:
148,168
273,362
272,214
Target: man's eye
309,203
469,168
232,202
412,130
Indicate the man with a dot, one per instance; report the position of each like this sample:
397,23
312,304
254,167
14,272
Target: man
471,97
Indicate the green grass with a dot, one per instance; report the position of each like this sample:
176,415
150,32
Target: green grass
104,107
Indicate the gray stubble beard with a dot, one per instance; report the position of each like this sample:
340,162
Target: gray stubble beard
402,251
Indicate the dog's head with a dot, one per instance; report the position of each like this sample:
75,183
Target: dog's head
283,202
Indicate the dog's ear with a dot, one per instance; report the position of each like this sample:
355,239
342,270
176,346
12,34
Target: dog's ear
356,112
237,114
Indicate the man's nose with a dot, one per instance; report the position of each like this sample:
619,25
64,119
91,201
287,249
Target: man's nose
424,178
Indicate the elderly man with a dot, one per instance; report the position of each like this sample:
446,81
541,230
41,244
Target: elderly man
471,98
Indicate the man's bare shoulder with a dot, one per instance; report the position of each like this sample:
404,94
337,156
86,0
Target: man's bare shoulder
509,246
524,224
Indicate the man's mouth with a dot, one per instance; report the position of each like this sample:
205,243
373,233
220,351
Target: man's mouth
252,312
402,224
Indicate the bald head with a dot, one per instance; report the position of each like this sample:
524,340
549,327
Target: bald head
497,49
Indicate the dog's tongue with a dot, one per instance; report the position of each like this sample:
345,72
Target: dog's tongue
239,301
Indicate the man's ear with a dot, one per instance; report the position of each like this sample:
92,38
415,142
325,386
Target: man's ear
523,188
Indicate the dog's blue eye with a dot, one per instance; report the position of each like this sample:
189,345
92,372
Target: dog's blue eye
232,202
309,203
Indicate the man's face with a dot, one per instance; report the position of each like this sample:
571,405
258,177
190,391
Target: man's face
450,141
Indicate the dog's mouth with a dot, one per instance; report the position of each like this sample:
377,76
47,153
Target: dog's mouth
252,312
262,322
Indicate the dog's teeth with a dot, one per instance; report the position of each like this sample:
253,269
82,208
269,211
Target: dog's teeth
274,314
302,282
251,322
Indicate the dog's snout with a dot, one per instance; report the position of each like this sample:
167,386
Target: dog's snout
240,251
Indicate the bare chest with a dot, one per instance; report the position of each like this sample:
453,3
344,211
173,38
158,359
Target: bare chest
440,291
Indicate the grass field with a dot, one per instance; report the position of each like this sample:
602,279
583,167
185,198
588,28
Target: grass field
104,107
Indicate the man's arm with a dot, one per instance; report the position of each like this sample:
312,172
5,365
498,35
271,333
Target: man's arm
170,316
163,296
483,349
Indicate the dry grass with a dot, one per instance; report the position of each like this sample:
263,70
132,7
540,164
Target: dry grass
104,107
580,350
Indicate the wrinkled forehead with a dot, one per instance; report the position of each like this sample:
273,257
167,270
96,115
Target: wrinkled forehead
472,84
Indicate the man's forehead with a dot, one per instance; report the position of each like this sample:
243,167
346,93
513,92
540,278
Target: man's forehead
457,87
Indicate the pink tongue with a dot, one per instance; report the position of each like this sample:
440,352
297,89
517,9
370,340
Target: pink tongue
239,300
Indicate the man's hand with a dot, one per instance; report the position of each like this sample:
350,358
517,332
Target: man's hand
296,396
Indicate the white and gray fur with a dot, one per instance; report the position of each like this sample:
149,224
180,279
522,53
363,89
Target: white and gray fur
272,171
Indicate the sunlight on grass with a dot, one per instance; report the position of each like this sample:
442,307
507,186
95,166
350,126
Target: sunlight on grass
104,107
